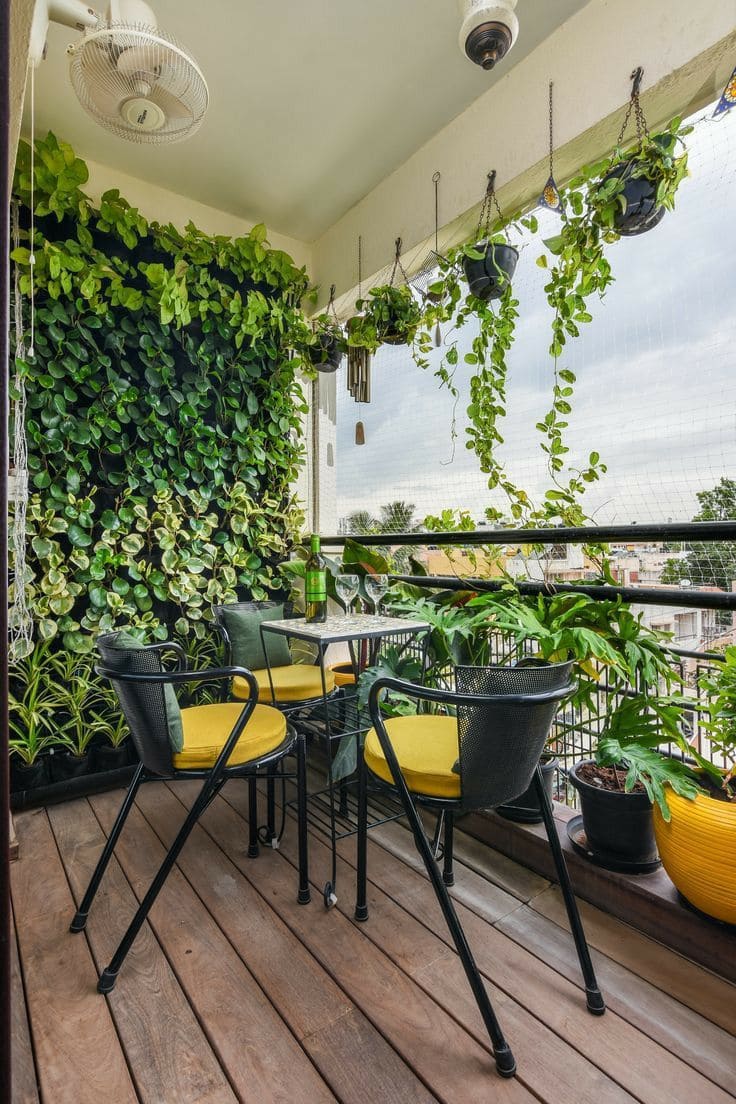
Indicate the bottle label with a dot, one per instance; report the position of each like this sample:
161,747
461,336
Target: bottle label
315,587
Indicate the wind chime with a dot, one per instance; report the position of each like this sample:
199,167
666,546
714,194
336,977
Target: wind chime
359,363
550,197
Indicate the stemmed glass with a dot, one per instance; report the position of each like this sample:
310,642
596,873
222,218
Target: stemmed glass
375,587
346,587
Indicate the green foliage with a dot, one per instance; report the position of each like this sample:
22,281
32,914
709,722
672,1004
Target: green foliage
388,314
720,684
164,411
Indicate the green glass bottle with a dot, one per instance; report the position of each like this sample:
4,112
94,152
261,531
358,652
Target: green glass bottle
315,584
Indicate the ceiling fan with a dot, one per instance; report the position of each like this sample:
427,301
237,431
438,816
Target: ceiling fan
132,77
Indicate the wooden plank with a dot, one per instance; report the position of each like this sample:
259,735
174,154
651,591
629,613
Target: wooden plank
78,1053
308,999
618,1049
692,985
440,1051
649,902
24,1086
262,1059
701,1044
153,1017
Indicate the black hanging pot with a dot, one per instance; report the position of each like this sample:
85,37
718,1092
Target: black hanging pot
489,276
641,212
327,354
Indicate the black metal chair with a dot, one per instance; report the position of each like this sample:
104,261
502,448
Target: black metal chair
212,742
290,687
486,754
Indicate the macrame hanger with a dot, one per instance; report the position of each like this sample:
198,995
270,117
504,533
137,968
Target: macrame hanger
398,265
550,197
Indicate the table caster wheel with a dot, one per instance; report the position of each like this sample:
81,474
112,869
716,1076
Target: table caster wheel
329,897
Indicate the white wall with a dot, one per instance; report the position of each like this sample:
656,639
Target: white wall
687,51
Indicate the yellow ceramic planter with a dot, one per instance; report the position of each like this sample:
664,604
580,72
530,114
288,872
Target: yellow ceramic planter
698,851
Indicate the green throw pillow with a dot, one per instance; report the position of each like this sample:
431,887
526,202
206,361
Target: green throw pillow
125,641
243,626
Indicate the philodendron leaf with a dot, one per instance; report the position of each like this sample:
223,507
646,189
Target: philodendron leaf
653,769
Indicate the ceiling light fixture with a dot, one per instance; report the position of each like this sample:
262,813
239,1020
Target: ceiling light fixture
488,31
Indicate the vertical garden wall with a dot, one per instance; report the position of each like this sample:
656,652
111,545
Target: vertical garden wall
163,414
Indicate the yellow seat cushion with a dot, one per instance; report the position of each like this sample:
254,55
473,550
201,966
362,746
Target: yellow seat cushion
426,748
296,682
207,727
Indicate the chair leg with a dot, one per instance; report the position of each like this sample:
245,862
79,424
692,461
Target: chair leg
109,975
304,895
361,894
80,917
448,873
253,849
594,999
271,807
505,1062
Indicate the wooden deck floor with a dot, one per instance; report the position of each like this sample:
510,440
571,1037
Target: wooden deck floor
236,993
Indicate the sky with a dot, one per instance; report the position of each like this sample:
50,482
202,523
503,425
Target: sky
656,386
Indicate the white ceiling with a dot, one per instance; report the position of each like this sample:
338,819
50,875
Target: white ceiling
313,102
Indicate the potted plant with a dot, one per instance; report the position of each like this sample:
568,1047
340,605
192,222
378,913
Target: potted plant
697,842
489,266
329,346
388,315
609,645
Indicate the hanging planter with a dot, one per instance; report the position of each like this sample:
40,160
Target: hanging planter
389,315
330,344
490,263
640,184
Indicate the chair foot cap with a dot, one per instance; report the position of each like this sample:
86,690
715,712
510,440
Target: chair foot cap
361,912
79,922
505,1062
253,851
448,879
106,984
595,1002
304,896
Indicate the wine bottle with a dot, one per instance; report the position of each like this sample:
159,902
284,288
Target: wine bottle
315,584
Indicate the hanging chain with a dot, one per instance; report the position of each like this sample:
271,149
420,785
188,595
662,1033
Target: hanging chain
642,130
398,264
331,304
436,178
489,203
551,135
360,266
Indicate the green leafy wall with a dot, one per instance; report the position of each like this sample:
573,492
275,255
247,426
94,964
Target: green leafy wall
164,410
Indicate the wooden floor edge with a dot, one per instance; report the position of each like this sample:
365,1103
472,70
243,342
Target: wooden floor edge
648,902
13,848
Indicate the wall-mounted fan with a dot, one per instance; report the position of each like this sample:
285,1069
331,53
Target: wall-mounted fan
130,76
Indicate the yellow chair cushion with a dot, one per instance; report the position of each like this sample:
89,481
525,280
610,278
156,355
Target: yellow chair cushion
296,682
426,748
207,727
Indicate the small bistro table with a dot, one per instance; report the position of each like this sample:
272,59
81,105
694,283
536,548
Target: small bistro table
339,716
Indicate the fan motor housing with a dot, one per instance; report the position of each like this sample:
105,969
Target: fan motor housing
488,30
488,43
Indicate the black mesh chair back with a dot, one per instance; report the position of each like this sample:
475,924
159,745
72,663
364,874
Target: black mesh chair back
501,742
143,703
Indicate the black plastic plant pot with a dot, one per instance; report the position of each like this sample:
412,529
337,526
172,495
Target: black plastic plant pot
488,277
28,776
64,765
328,352
105,757
618,826
525,809
641,212
397,333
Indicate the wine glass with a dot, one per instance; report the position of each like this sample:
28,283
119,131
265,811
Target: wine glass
375,587
346,587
